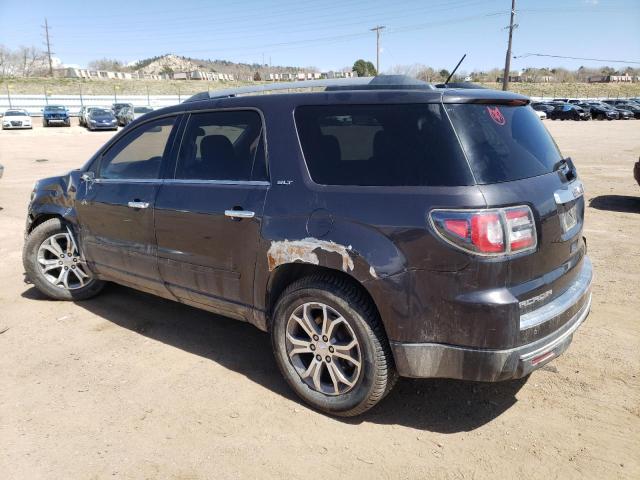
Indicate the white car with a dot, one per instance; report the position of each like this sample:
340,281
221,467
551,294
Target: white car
16,118
541,115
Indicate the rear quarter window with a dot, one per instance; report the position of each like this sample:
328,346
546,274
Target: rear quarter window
381,145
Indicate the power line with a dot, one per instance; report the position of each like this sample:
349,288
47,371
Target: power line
48,44
378,29
525,55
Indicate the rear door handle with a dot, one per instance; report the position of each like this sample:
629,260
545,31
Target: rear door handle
138,204
239,213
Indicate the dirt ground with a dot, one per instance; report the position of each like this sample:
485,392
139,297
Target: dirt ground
131,386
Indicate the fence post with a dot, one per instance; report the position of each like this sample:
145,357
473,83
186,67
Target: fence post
148,101
9,88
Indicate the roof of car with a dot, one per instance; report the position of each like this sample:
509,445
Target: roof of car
383,89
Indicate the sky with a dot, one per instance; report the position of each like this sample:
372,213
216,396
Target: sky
332,34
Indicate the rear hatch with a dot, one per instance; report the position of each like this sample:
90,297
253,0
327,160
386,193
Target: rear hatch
516,162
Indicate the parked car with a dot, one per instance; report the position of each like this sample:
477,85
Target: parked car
55,115
600,111
129,114
568,111
437,233
16,118
82,115
629,105
541,115
123,116
116,107
1,170
542,107
636,172
624,112
101,119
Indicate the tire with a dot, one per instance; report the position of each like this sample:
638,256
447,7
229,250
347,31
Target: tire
32,264
45,123
367,384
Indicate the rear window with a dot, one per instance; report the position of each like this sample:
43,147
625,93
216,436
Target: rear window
503,143
381,145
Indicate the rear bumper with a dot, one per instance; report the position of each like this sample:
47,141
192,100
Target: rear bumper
433,360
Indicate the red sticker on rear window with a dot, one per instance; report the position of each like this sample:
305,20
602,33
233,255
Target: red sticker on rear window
496,115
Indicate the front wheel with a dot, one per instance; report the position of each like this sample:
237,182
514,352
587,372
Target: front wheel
54,264
330,346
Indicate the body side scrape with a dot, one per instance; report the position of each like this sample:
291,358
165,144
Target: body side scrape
286,251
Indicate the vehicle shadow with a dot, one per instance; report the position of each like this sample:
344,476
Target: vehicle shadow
438,405
616,203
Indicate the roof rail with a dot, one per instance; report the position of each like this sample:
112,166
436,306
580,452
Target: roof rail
356,83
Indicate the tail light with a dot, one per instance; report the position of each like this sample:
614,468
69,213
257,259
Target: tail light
490,232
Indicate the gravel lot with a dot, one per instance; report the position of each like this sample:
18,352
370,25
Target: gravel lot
132,386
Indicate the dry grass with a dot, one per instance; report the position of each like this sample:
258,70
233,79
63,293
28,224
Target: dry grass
64,86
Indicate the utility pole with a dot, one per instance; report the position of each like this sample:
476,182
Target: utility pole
507,60
48,43
378,29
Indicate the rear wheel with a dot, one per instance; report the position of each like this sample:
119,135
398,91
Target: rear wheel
54,264
330,346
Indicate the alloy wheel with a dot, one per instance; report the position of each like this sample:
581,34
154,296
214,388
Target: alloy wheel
61,263
323,349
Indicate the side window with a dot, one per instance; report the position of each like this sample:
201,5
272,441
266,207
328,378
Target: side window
381,145
138,155
222,146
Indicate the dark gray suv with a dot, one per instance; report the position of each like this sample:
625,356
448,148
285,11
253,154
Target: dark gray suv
375,228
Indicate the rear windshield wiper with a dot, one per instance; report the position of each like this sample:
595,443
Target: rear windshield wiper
566,168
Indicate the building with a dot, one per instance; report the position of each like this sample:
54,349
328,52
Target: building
610,79
331,74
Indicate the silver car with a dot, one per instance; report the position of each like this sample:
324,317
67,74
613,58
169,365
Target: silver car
129,114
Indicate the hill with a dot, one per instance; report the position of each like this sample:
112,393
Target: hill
170,63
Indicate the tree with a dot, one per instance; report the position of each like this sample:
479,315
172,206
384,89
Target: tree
371,70
444,73
360,67
167,70
107,64
257,77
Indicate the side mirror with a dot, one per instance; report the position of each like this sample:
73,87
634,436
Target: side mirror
88,177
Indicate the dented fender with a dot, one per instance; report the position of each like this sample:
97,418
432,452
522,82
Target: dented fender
54,196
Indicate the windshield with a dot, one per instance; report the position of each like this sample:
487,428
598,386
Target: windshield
503,143
55,108
16,113
98,112
142,109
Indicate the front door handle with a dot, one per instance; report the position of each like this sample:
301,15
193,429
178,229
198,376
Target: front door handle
239,213
138,204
